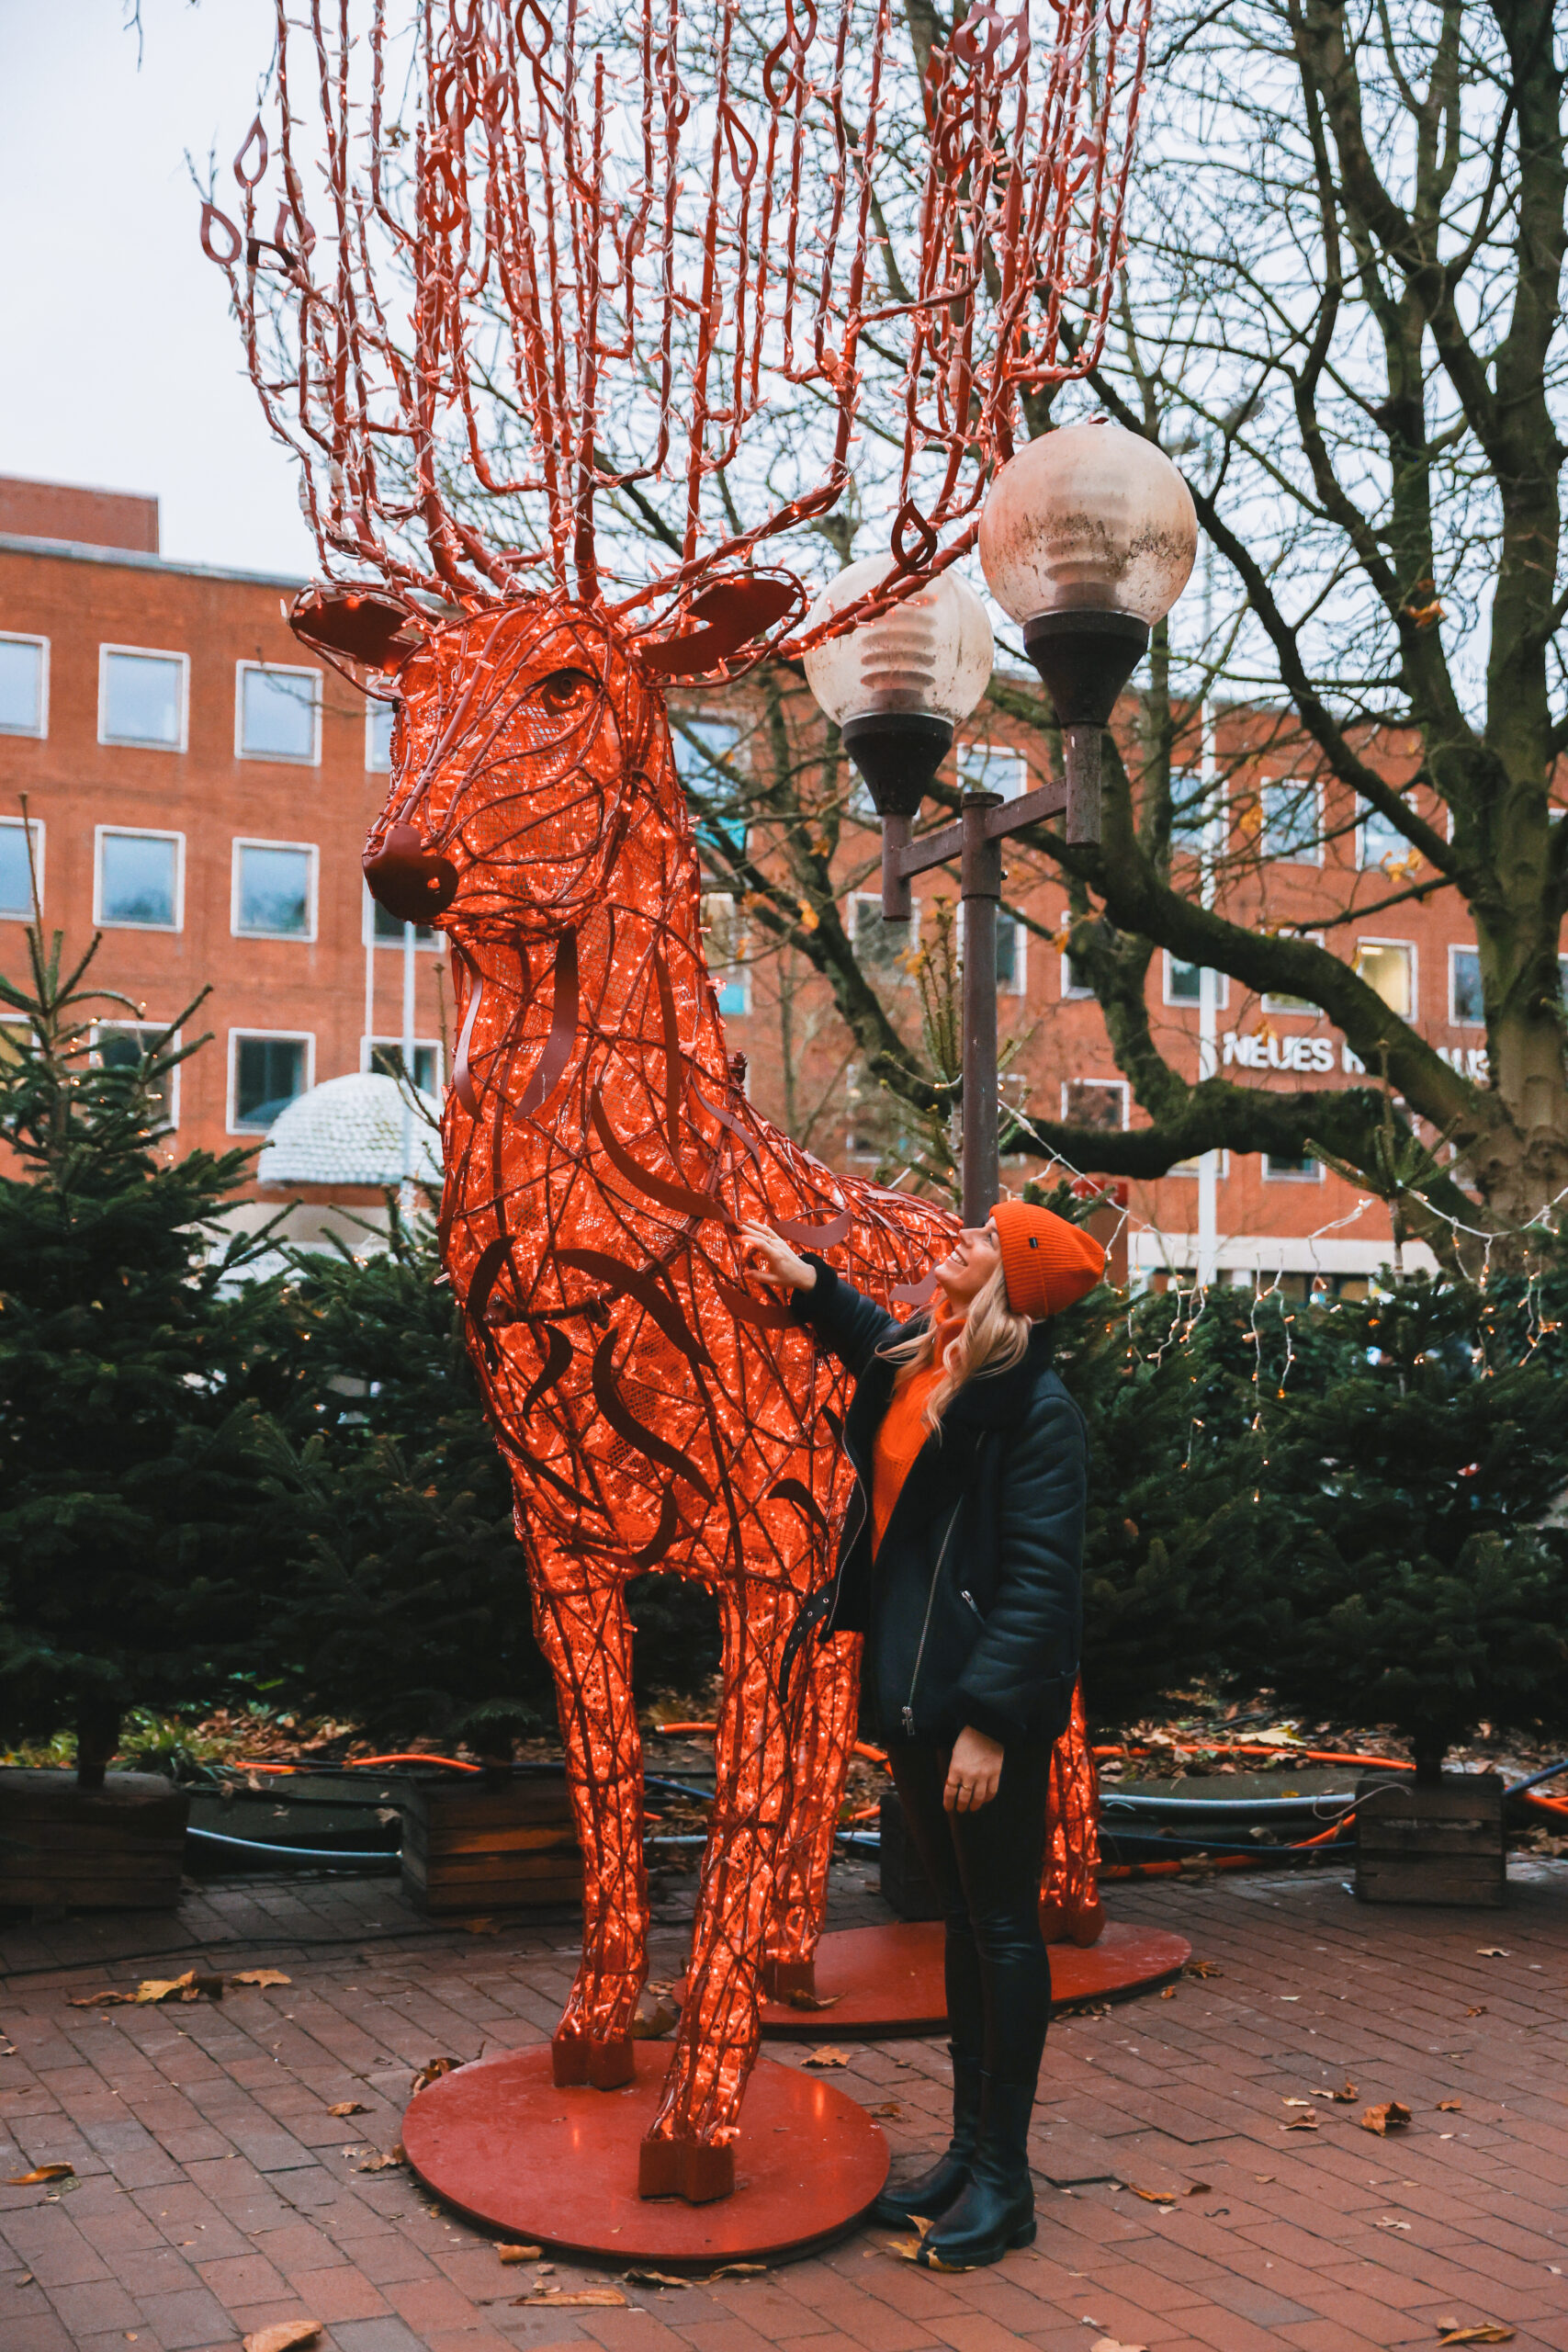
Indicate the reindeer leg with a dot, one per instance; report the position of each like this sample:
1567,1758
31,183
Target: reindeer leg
583,1629
822,1761
690,2149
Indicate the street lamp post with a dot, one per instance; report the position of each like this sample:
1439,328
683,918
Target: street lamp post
1088,538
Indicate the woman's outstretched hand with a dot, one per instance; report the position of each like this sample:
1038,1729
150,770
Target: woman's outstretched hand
783,1265
973,1772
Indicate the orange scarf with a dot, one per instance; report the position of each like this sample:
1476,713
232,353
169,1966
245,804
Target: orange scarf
903,1432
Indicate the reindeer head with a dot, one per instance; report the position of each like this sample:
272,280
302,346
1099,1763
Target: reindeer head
529,736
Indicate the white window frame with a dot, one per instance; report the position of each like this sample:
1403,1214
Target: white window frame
1191,1003
976,756
306,1037
873,899
1214,822
140,743
306,938
1363,811
30,734
1302,787
1118,1085
374,703
434,946
1460,947
1312,1175
146,833
1194,1167
1410,949
278,759
152,1029
35,826
369,1045
1071,992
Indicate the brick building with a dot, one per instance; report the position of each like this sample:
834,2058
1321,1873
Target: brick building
200,789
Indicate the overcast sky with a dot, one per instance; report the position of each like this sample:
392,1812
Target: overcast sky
122,366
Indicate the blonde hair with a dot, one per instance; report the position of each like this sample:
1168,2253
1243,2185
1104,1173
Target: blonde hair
992,1339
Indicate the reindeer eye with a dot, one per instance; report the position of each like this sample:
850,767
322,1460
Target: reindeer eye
564,690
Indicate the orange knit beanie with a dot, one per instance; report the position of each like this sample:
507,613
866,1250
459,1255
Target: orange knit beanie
1047,1262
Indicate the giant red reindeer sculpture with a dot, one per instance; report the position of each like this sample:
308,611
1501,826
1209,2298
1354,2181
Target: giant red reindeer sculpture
561,249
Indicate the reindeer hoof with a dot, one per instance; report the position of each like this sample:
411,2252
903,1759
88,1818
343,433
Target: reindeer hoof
786,1979
604,2065
688,2168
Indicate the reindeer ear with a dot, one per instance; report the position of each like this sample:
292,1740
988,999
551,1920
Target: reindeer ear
735,610
364,624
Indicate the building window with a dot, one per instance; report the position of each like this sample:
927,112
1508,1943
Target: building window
384,1058
881,948
727,954
273,891
993,767
266,1073
1388,967
1290,824
142,697
24,685
1012,954
386,930
1197,811
140,880
1379,842
1095,1102
1074,985
1184,983
122,1045
1467,1002
379,718
16,878
279,715
1301,1169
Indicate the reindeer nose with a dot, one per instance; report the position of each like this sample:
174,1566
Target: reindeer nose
408,879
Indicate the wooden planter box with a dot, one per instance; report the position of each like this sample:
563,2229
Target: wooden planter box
471,1847
117,1847
1431,1844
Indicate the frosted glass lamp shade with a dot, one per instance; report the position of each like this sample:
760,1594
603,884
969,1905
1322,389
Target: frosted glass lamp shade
1088,518
898,684
932,654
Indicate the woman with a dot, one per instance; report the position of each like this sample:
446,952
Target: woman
961,1562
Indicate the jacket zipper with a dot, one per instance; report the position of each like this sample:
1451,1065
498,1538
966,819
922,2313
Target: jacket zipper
973,1603
909,1710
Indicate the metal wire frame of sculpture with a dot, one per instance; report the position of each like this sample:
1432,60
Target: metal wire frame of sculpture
599,1147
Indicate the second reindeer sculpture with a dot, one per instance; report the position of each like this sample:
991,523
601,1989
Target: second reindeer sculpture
529,277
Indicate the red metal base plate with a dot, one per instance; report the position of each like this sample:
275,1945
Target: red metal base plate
559,2167
889,1980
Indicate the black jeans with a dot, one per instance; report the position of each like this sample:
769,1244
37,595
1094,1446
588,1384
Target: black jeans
984,1869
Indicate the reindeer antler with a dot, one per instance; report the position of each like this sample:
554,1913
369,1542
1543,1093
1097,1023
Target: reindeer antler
572,269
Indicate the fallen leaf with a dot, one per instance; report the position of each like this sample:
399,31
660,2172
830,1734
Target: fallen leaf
27,2279
188,1987
40,2172
348,2107
1349,2095
1265,2175
1200,1968
1198,2188
1392,2116
564,2298
486,1928
261,1978
1481,2012
519,2253
1302,2122
887,2111
656,2278
1488,2331
1168,1994
1109,2344
735,2270
1155,2195
1492,1951
826,2056
283,2336
1388,2221
101,2000
812,2000
1450,2106
383,2163
907,2249
1298,2102
432,2072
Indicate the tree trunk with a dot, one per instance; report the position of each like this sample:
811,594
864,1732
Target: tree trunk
97,1736
1431,1751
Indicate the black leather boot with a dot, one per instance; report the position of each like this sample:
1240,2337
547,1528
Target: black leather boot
933,2190
996,2212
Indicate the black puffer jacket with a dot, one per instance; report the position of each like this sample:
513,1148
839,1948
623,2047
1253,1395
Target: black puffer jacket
974,1609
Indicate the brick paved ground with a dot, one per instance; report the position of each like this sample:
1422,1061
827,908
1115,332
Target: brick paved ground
214,2195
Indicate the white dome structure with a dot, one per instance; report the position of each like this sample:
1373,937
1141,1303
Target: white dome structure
350,1131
